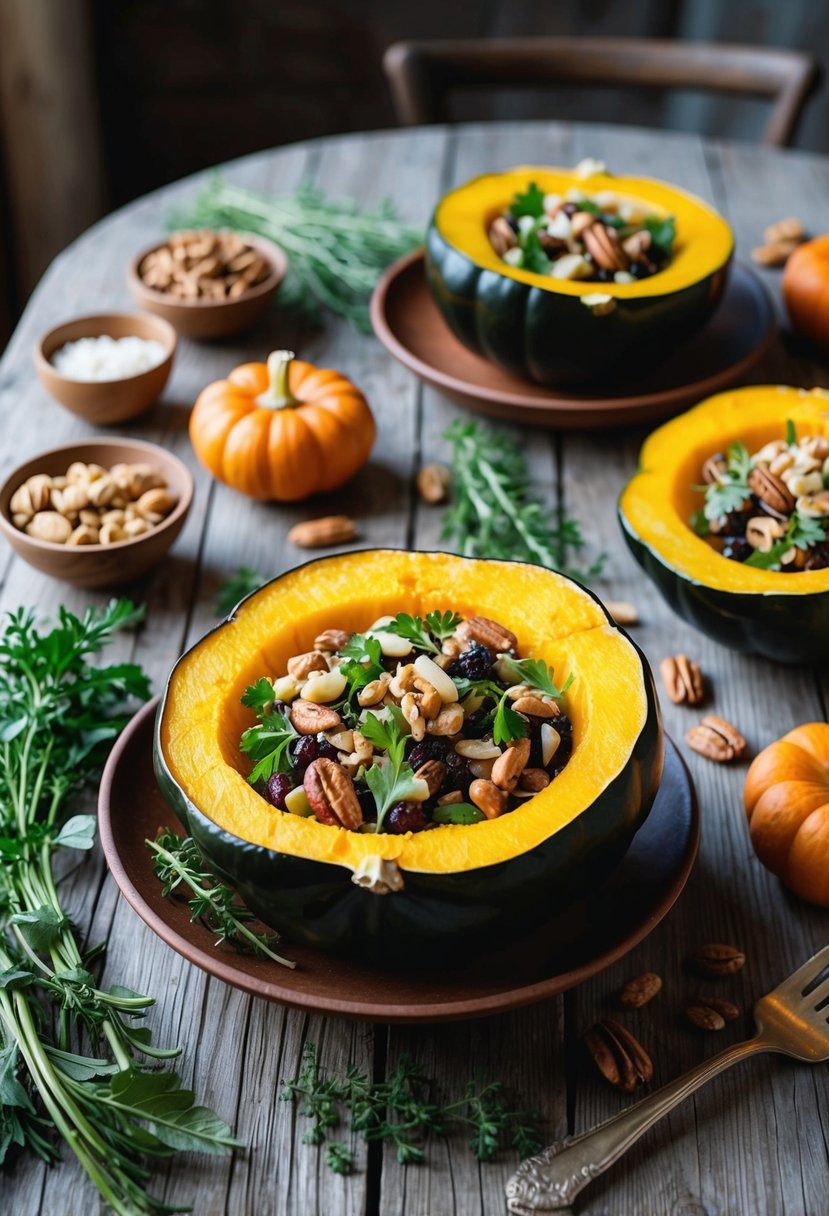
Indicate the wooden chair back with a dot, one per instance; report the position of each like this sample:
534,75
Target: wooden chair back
423,75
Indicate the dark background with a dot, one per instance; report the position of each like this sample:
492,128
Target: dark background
102,100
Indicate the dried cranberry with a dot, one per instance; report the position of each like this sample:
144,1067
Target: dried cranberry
279,785
326,750
474,663
563,753
562,724
434,748
737,548
458,776
405,817
310,748
367,804
570,208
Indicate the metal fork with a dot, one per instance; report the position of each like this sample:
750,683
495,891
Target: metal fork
792,1020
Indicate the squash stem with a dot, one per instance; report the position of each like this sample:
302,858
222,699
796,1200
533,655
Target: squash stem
278,395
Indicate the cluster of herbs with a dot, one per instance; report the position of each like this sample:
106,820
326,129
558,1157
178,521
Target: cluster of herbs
402,1111
336,251
494,514
275,747
724,513
529,220
73,1062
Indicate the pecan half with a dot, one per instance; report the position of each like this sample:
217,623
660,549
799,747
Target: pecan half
638,991
487,632
501,236
433,773
715,958
704,1017
510,765
619,1057
771,490
682,678
309,718
716,739
714,468
331,640
331,793
789,229
605,248
301,665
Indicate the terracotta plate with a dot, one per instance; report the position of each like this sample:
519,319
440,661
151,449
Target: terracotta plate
589,937
407,322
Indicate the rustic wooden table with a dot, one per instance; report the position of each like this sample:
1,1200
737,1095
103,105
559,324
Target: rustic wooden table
750,1144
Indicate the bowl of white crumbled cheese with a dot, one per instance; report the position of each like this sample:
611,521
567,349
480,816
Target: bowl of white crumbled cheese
106,368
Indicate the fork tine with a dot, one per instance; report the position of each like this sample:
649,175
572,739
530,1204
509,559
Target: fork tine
807,975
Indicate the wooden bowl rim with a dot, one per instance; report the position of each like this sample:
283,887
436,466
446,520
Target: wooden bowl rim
15,478
166,334
274,254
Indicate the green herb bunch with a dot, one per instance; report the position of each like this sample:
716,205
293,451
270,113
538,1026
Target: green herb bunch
59,713
335,251
402,1111
493,512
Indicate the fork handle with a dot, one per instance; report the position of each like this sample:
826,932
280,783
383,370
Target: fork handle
550,1181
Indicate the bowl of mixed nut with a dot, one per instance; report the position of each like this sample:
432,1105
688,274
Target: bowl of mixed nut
208,283
96,514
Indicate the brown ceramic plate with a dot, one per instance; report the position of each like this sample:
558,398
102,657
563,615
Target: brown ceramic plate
586,939
407,322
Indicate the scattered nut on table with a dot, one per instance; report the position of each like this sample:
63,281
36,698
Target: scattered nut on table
90,505
623,612
682,678
716,739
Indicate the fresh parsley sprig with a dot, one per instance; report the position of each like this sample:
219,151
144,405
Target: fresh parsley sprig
267,743
528,202
423,634
801,533
493,513
728,492
508,725
393,781
402,1111
236,588
535,673
178,862
363,662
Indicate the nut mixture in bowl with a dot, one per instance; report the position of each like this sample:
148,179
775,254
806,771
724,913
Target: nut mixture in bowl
414,724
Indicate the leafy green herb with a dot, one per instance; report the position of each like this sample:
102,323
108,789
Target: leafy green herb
730,491
178,862
423,633
259,696
536,673
235,589
533,257
364,661
530,202
393,781
493,513
801,533
58,714
663,231
401,1111
267,745
336,252
791,433
457,812
699,523
508,724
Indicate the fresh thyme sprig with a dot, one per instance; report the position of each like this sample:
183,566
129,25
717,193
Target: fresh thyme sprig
178,862
402,1111
493,513
336,252
59,712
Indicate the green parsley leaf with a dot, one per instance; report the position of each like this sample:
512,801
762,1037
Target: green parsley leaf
393,781
533,256
442,625
537,674
457,812
364,661
531,202
699,523
791,433
236,588
508,725
414,629
663,231
259,696
801,533
267,744
729,492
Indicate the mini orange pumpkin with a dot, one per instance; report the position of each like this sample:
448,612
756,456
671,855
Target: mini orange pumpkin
806,289
283,430
787,802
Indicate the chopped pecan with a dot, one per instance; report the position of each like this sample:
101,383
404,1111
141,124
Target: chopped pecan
331,793
771,489
309,718
714,468
433,773
487,633
605,248
301,665
682,678
331,640
501,236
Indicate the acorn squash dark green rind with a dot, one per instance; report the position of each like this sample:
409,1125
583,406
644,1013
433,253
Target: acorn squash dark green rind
436,915
556,339
785,628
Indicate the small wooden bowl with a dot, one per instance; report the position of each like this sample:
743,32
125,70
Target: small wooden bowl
106,401
99,565
207,319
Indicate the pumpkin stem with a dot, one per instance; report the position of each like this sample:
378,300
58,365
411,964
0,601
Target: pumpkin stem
278,395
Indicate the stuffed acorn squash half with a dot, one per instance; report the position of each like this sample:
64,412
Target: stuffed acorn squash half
765,450
615,304
460,886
